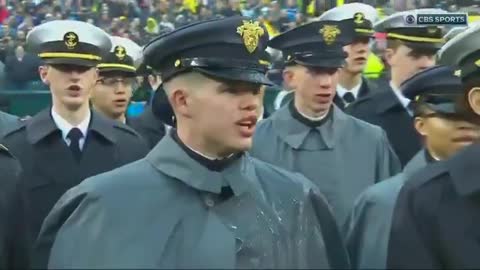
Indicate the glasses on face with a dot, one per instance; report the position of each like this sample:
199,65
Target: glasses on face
114,81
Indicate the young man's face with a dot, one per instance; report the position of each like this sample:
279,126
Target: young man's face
444,135
223,113
358,53
406,62
70,85
314,87
112,93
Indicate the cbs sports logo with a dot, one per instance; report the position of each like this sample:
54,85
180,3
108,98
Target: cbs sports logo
436,19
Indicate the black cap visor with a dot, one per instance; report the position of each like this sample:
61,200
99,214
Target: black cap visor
71,61
443,103
233,74
125,72
444,108
116,72
238,70
321,62
324,59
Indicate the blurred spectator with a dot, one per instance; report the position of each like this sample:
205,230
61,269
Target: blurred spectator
227,8
251,9
21,38
165,24
278,17
27,24
142,20
4,14
21,67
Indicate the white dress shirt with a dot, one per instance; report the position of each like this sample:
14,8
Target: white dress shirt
279,98
315,119
341,91
65,127
403,100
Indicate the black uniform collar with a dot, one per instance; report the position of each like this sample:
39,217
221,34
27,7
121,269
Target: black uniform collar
212,165
428,157
42,125
172,160
364,88
306,121
464,170
388,100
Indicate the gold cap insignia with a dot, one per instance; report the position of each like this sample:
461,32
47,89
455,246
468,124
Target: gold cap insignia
417,98
330,33
359,18
477,63
251,32
177,63
457,73
120,52
70,39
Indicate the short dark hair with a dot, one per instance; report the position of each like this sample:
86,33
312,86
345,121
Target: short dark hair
393,43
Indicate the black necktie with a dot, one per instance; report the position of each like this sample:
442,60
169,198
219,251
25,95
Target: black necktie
349,97
75,135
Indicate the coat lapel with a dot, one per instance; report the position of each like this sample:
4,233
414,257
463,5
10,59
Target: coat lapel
53,157
169,158
333,128
398,124
362,92
229,221
417,162
337,100
98,146
299,136
388,101
290,130
464,170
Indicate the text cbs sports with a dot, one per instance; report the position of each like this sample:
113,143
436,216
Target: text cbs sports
437,19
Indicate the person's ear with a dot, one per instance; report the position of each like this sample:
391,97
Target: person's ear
389,56
43,72
179,101
289,79
474,100
420,126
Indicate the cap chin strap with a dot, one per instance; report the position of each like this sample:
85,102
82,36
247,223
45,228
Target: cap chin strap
415,39
82,56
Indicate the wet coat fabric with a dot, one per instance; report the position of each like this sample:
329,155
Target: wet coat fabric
343,156
367,229
436,219
177,216
385,110
7,122
49,168
14,245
